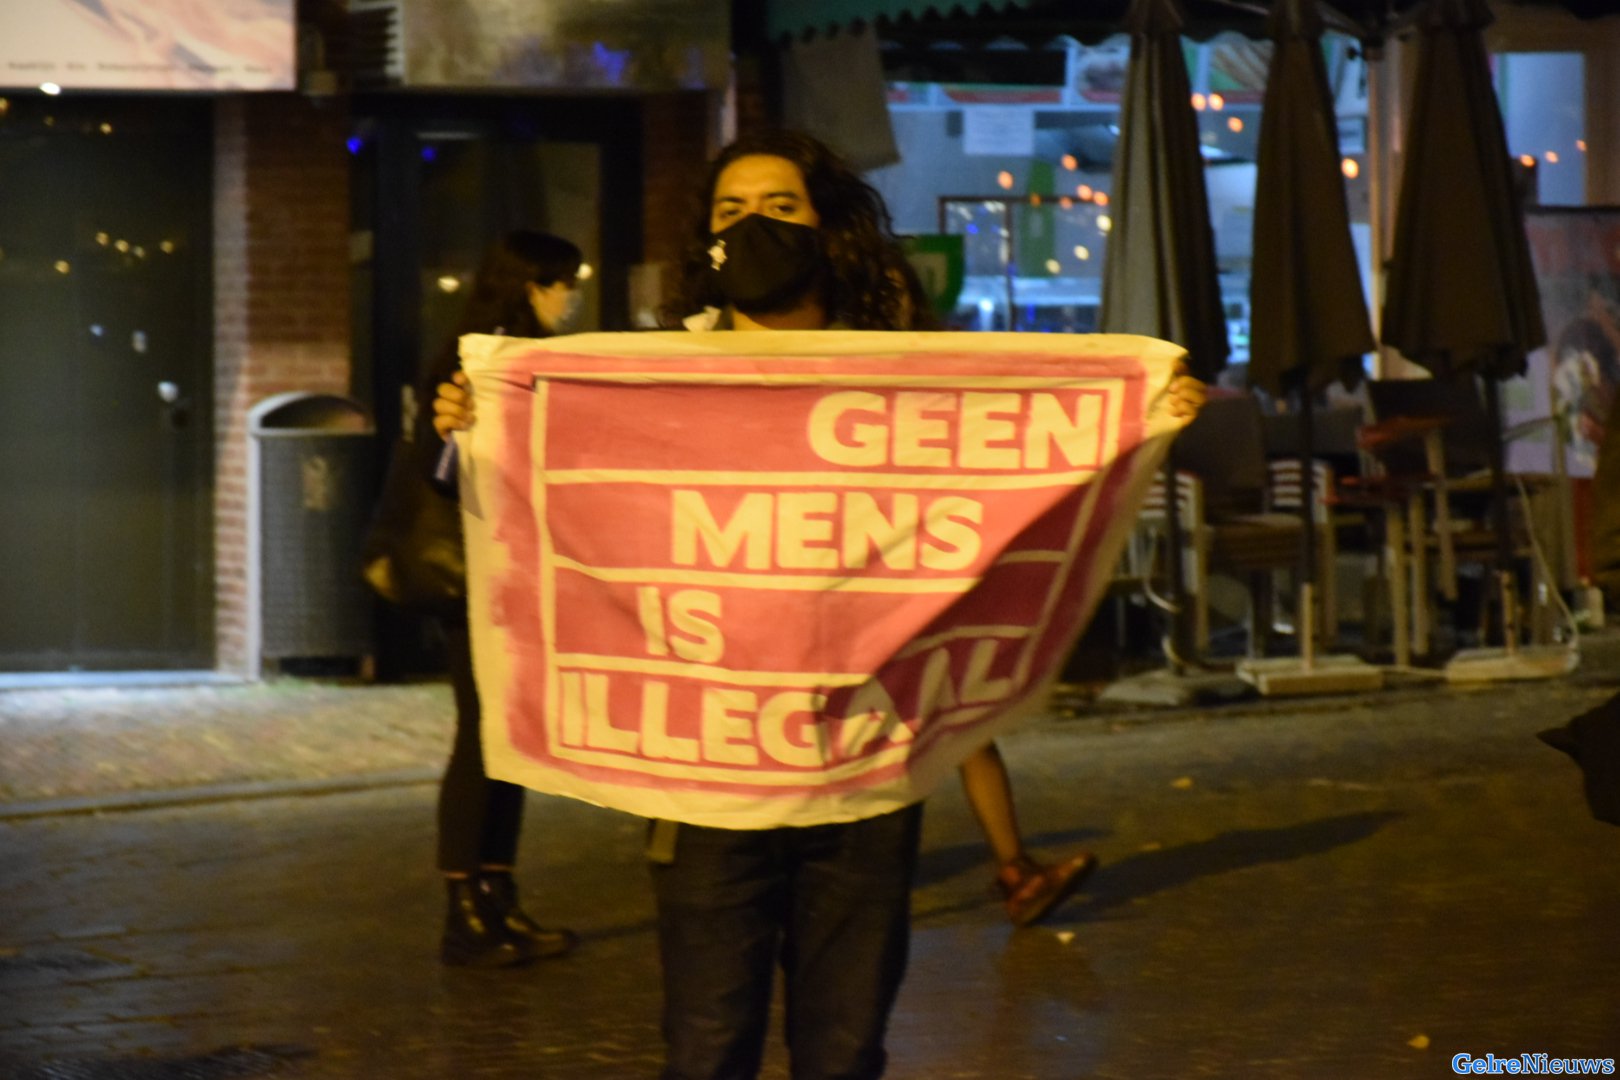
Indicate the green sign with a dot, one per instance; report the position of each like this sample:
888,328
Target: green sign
940,263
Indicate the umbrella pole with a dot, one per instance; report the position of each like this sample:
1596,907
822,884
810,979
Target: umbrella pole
1306,621
1499,517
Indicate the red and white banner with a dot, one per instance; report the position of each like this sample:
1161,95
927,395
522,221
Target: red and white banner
783,578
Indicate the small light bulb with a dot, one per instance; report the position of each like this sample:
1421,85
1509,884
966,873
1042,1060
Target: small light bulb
1234,123
586,272
1105,223
50,88
1350,167
1101,198
1070,163
1005,180
1053,266
1217,102
1199,102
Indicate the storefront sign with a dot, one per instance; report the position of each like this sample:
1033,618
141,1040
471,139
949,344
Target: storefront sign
993,131
750,580
148,44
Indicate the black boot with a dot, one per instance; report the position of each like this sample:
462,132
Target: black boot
475,933
502,892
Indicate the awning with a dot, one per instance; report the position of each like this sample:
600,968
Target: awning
794,18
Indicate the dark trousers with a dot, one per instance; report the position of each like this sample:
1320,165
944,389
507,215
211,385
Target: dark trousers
479,818
832,902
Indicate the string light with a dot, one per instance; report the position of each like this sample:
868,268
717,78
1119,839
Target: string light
1084,191
103,239
1101,198
1350,167
1066,202
1082,252
1580,144
1217,102
63,266
1034,198
122,246
1527,161
449,283
49,88
1234,123
1200,102
1105,223
167,247
1005,180
585,272
106,128
1070,163
1552,157
1053,266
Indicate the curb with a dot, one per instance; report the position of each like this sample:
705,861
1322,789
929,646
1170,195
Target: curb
118,802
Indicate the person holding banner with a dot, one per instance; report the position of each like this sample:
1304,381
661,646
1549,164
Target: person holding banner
527,286
789,238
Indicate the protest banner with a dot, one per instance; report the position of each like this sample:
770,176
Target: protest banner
788,578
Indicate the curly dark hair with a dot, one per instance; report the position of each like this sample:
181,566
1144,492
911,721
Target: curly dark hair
869,284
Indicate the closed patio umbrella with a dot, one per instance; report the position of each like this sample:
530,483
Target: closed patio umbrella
1307,317
1461,292
1159,276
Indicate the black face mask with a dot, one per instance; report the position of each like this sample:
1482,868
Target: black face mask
764,265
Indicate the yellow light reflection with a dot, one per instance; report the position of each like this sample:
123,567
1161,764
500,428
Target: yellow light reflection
167,247
123,246
106,128
63,266
103,239
449,283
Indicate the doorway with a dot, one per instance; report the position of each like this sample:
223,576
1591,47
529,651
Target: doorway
106,558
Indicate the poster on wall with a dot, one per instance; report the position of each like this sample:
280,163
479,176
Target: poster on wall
1576,251
148,44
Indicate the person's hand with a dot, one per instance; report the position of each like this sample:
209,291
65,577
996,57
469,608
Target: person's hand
453,406
1187,394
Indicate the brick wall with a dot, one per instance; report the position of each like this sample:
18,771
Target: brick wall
281,299
677,141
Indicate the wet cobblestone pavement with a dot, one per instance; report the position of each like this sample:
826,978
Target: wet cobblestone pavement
1354,887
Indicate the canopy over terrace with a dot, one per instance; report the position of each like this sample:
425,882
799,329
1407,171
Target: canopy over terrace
1035,22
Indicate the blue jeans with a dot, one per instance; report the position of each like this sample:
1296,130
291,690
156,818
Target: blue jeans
833,902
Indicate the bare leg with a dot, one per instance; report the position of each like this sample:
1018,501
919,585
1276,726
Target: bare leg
989,793
1031,888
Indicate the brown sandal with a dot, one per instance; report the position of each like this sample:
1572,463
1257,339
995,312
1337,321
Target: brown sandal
1032,889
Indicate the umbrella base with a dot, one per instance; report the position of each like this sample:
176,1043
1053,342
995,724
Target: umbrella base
1499,665
1290,676
1165,687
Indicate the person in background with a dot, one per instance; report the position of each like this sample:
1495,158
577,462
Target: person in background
787,237
528,286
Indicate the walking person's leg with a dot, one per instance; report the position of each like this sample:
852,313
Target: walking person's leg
1031,888
848,940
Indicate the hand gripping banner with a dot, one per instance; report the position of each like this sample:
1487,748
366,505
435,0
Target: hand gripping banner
787,578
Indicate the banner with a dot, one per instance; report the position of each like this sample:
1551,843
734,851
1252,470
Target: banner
788,578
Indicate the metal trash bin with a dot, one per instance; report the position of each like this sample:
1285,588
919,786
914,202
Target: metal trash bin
311,470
